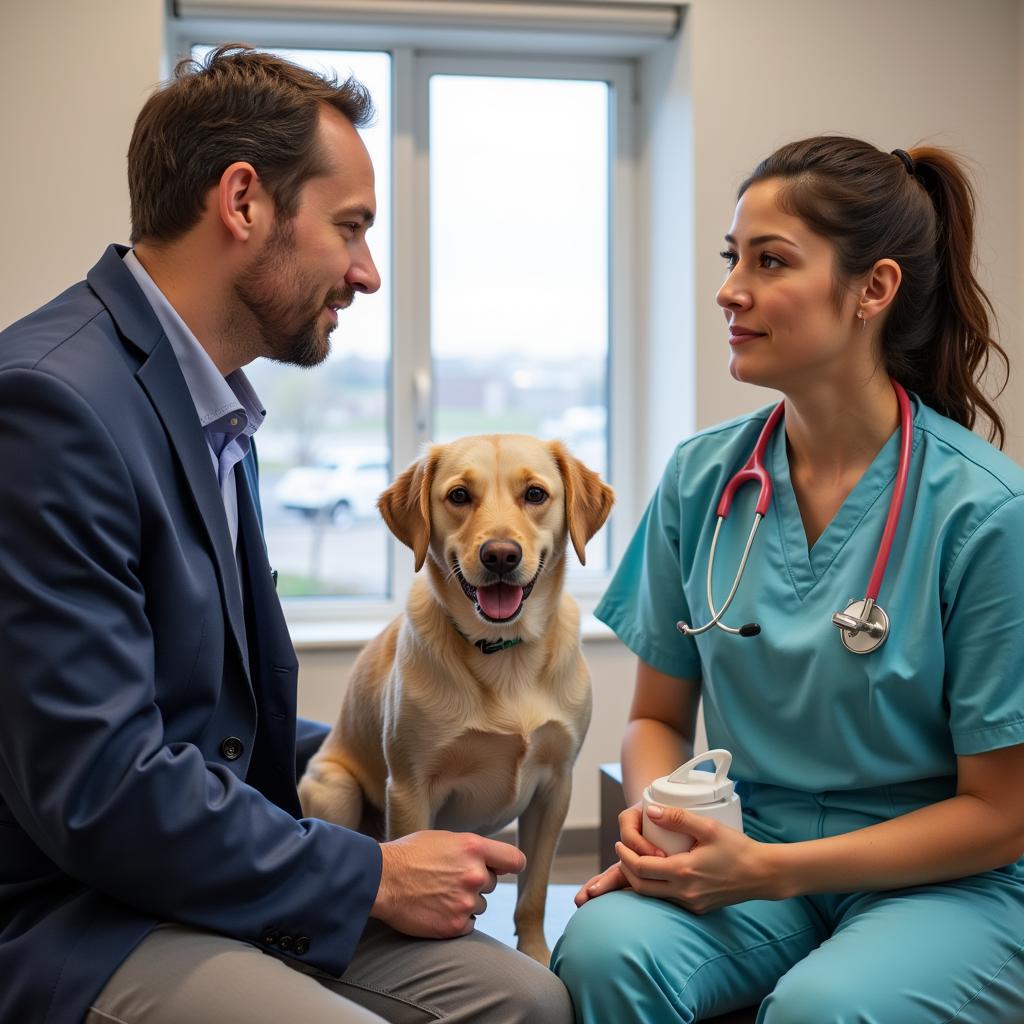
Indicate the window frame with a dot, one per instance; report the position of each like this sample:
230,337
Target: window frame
333,621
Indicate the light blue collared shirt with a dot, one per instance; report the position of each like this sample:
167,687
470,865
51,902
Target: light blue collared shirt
229,410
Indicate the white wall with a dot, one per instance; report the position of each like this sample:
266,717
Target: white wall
744,77
73,77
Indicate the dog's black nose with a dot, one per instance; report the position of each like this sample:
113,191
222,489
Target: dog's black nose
501,556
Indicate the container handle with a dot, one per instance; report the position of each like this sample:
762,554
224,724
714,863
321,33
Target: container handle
722,759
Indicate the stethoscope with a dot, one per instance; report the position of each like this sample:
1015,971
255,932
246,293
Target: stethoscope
864,625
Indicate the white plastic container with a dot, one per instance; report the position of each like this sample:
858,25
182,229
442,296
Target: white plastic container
709,795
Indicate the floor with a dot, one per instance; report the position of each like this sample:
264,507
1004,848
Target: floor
567,874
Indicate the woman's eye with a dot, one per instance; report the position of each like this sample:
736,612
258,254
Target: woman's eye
770,262
458,496
730,258
536,495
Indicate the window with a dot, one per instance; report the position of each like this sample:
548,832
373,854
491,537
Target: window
519,260
503,188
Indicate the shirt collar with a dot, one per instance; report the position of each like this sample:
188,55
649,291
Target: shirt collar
217,399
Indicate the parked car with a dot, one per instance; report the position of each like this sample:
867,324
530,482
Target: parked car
340,490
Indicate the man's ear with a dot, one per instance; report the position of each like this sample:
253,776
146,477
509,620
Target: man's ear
405,505
242,201
588,499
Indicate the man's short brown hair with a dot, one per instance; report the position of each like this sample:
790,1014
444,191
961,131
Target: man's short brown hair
237,105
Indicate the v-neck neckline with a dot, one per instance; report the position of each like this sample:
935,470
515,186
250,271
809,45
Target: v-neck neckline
807,565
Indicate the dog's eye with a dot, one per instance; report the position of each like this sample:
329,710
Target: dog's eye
458,496
536,495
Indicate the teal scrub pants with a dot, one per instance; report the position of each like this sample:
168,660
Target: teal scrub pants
923,955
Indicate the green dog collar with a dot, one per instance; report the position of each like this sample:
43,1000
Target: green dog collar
493,646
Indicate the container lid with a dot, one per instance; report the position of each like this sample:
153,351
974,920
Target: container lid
688,787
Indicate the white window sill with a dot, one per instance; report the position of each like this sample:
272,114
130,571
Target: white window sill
344,635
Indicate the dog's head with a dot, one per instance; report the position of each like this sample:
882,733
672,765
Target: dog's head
494,512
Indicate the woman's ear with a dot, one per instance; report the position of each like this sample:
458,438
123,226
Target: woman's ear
882,284
405,505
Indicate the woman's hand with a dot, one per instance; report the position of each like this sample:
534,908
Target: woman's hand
724,866
608,880
630,822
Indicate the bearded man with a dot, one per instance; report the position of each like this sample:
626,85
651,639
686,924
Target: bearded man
154,863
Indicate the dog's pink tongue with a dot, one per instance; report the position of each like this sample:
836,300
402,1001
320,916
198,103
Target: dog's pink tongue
499,600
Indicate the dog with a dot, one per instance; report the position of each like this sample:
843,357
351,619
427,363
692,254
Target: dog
469,710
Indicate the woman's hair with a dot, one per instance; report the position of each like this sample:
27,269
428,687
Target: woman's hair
917,209
238,104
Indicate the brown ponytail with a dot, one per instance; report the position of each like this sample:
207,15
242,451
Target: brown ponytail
916,209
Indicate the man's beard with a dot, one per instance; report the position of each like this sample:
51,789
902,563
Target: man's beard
267,289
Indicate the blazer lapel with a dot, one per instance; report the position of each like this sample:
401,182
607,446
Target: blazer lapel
161,378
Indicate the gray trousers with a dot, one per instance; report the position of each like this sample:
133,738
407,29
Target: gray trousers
178,974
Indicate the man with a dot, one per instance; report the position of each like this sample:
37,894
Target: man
154,866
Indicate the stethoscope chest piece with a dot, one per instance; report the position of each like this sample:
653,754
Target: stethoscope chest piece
863,626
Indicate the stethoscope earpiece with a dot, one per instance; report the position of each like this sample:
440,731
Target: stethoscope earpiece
864,626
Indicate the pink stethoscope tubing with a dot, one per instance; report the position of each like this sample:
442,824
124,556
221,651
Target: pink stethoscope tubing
864,626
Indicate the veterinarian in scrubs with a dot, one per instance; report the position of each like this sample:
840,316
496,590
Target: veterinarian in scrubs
879,878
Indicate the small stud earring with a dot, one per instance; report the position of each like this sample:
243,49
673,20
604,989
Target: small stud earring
860,317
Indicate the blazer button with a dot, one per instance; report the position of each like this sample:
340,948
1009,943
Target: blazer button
232,748
270,936
285,942
302,945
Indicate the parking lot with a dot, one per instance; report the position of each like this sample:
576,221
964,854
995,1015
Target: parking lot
316,555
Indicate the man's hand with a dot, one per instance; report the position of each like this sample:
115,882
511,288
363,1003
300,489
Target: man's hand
433,883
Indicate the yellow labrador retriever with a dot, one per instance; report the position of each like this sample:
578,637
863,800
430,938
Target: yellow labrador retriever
468,711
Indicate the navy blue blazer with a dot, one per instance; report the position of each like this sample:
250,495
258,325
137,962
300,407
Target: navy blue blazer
147,710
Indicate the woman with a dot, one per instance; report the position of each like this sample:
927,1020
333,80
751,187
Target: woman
879,877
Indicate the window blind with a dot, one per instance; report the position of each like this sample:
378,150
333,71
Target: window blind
655,19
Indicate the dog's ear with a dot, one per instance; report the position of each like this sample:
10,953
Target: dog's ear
405,505
588,499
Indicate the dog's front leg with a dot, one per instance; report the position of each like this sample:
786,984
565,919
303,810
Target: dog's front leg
539,828
407,809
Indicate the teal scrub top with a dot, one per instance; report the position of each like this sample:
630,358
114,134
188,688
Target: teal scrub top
795,708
